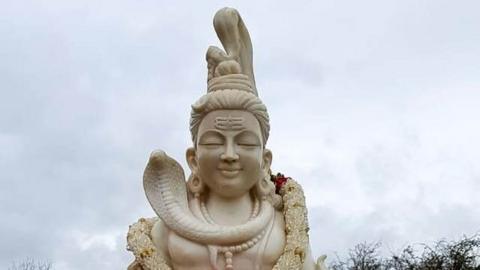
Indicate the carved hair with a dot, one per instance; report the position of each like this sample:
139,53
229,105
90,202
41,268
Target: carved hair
229,99
231,82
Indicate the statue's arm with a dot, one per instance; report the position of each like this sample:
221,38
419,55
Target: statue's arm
309,264
160,239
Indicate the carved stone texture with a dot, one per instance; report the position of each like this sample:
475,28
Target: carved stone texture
228,214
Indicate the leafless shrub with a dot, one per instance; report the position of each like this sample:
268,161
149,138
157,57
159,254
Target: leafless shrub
31,264
363,256
443,255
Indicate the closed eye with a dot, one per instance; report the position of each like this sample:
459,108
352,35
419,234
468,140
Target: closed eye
211,143
248,139
247,144
211,138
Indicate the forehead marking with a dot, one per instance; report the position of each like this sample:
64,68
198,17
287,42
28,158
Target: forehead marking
229,123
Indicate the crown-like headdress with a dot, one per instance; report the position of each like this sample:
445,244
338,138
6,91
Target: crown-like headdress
232,69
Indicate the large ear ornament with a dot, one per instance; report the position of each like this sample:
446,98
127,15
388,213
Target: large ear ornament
165,187
195,185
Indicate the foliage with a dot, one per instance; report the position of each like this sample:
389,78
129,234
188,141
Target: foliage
443,255
31,264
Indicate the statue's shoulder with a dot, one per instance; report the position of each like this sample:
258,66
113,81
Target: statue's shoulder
140,242
159,236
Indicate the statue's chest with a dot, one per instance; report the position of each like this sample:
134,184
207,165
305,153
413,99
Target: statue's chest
186,254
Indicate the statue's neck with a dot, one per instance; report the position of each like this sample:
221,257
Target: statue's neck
229,211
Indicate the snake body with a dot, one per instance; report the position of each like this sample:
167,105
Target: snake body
165,188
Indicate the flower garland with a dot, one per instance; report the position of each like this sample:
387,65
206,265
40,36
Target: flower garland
296,230
296,224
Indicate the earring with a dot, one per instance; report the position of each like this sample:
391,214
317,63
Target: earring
264,187
195,185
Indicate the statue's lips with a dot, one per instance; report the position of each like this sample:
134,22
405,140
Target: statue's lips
229,172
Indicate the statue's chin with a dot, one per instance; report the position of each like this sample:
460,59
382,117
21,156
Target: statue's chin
229,191
229,184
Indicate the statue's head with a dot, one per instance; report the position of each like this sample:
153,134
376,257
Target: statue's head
229,132
230,124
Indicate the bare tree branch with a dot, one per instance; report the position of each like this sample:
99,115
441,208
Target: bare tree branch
443,255
31,264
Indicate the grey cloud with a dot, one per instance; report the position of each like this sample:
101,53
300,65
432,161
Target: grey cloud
386,93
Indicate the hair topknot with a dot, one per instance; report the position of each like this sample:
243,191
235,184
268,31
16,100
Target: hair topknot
230,81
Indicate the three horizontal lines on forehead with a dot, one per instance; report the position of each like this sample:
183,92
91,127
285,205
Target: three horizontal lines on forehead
229,123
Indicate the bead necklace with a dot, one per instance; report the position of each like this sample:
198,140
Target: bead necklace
228,251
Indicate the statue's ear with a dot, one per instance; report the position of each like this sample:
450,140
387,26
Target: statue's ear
192,159
267,160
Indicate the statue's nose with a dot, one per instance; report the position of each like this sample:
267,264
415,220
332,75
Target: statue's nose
230,154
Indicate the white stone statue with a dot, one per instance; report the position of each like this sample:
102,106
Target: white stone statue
231,213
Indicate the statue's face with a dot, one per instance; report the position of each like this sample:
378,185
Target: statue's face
229,156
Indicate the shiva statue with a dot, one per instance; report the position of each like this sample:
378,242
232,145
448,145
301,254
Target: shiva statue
232,213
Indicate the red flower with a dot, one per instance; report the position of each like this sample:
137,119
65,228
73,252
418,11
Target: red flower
279,180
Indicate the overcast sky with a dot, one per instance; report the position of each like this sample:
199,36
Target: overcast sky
374,108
